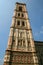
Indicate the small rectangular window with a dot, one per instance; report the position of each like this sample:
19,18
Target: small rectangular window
18,22
20,8
18,14
23,24
22,15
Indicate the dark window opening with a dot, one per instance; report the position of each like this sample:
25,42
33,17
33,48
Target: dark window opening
18,14
13,40
23,41
18,23
22,15
28,41
23,24
18,41
20,8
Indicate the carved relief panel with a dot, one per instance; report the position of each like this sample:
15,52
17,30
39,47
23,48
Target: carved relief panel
20,58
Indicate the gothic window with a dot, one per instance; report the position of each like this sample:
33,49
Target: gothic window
24,43
21,34
20,8
22,15
18,22
18,14
29,46
28,43
14,40
23,24
19,43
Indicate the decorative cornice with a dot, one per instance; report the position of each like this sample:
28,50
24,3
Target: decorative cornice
19,27
20,11
18,51
20,18
21,3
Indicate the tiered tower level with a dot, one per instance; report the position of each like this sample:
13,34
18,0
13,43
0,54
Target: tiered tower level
21,48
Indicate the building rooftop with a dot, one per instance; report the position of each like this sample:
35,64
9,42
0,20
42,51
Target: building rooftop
20,3
39,43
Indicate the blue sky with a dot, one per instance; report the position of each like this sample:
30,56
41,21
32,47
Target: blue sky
35,13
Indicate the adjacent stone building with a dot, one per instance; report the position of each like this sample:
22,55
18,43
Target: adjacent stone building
22,49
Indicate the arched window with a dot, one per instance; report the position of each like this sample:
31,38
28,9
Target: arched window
24,43
18,22
18,14
20,8
19,43
23,24
22,15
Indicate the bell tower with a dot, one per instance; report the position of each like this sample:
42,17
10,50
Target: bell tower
21,48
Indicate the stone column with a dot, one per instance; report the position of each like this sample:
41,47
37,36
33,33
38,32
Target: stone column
16,39
26,41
